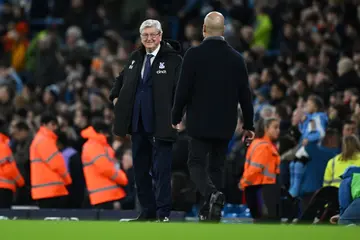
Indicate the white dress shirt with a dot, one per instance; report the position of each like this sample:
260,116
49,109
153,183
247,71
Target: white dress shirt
155,52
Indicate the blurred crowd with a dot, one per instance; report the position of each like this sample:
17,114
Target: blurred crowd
61,56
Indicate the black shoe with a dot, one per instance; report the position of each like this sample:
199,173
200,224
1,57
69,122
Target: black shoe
144,218
204,212
217,202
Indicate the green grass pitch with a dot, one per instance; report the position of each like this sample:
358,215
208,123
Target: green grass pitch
54,230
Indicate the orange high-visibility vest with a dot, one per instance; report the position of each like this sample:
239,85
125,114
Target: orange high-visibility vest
10,177
48,172
262,163
103,180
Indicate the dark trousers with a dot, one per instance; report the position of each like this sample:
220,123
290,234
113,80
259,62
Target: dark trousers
6,198
263,202
206,164
105,205
323,205
152,167
23,194
56,202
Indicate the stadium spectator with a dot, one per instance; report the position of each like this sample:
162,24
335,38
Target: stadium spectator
260,178
349,195
22,137
349,157
49,175
75,167
103,177
10,177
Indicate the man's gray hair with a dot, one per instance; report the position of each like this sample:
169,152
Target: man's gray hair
150,23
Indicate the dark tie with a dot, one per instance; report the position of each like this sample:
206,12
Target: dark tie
147,67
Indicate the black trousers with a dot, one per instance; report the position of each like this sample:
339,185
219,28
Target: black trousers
206,164
152,167
6,198
56,202
105,205
323,205
264,202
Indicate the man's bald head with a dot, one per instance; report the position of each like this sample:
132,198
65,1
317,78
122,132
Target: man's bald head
213,24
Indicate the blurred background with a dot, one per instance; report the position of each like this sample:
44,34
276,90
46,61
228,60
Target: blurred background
63,55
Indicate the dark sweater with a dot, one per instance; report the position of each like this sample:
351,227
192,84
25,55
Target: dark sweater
213,81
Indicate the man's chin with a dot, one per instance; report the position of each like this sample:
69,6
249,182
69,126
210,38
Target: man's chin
149,45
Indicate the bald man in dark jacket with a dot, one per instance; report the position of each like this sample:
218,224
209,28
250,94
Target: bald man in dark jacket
213,81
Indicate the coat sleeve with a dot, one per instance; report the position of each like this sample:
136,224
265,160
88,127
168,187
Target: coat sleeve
10,170
345,198
106,168
118,82
51,155
245,98
177,76
20,182
184,87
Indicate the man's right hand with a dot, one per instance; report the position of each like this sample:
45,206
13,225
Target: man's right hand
115,100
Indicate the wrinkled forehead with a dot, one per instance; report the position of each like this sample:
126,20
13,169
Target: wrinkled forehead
150,30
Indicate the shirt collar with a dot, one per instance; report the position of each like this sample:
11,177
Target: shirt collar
215,38
155,52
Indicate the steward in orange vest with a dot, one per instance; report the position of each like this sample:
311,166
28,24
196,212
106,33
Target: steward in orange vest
48,172
261,169
103,179
10,177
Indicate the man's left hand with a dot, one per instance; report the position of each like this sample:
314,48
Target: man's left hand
248,136
177,126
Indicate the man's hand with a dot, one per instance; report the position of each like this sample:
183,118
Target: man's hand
115,100
177,126
248,136
240,186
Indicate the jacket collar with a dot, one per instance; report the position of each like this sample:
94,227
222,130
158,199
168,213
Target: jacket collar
91,134
4,139
47,133
350,171
267,139
221,38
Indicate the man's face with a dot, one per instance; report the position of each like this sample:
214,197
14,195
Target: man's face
78,119
247,33
190,31
70,39
288,31
310,106
331,17
52,126
48,98
19,135
348,130
4,95
275,92
150,38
